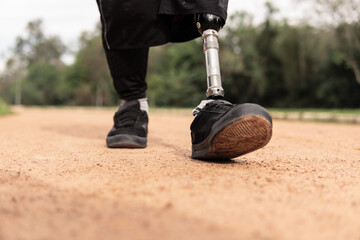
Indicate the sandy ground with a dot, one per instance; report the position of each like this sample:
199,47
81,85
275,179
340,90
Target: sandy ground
59,181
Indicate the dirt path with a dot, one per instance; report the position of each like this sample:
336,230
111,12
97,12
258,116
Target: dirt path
59,181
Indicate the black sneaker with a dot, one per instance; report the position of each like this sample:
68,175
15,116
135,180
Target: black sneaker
130,127
222,130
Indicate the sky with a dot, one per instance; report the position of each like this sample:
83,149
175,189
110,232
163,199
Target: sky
68,18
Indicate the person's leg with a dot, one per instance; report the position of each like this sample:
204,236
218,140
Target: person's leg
128,70
126,37
222,130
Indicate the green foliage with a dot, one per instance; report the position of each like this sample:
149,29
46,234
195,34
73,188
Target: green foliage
36,46
34,70
279,65
273,64
36,75
177,75
87,81
89,76
4,108
41,84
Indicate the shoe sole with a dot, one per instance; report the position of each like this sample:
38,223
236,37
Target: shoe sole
230,140
126,141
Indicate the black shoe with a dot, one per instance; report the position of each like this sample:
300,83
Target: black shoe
222,130
130,127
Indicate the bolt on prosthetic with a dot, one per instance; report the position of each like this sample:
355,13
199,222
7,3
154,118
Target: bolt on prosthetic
209,25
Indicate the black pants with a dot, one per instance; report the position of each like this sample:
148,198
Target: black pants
130,27
128,70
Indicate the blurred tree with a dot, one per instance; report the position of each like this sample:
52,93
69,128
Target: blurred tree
177,75
11,80
88,79
36,46
34,54
272,63
242,72
344,15
41,84
252,69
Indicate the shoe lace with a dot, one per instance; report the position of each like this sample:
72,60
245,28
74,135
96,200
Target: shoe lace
125,119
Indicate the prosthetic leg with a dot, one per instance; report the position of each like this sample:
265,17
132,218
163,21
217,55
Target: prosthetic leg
209,25
221,130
